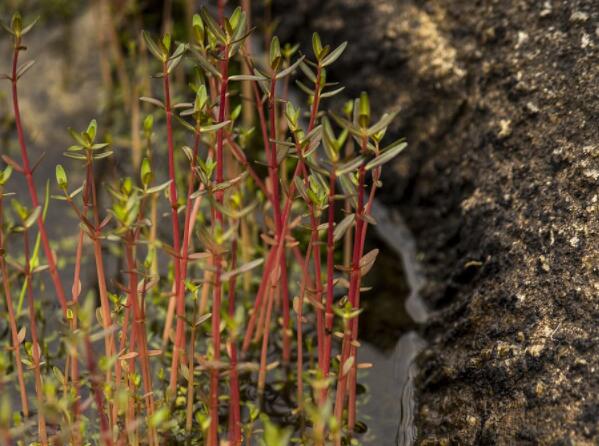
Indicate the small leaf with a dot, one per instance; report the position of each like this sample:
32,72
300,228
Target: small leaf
347,365
153,47
383,122
329,94
30,26
202,319
289,69
334,55
23,68
214,127
349,166
247,77
176,58
212,25
158,188
316,45
152,101
205,64
129,355
343,226
78,137
61,177
242,269
387,154
102,155
31,219
146,172
21,335
367,261
275,53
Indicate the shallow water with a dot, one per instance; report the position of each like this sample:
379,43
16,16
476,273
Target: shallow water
388,405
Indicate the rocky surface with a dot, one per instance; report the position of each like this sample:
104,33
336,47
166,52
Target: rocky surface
500,105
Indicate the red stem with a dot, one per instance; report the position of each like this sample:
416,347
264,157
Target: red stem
234,403
96,382
216,304
35,351
330,274
180,302
30,183
140,331
12,319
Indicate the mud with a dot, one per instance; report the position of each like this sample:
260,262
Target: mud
500,106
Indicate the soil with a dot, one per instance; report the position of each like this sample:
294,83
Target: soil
500,105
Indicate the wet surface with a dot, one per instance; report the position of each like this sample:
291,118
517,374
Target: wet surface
389,338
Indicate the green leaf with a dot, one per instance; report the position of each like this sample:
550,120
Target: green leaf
242,269
78,137
334,55
387,154
346,124
30,26
146,172
212,25
247,77
102,155
316,45
205,64
5,175
32,218
23,68
214,127
91,130
7,29
332,93
349,166
383,122
198,29
364,110
158,188
275,53
289,69
61,177
308,72
176,58
152,101
16,24
75,156
153,47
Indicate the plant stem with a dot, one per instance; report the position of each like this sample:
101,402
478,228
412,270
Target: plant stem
330,274
26,166
273,169
180,327
102,289
35,349
140,332
217,297
234,403
353,372
299,329
11,317
96,382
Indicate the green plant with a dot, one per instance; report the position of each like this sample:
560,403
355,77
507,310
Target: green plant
209,305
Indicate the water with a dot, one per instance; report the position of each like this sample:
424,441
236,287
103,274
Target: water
388,406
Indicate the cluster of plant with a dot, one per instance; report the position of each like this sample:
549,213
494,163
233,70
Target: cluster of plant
256,289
